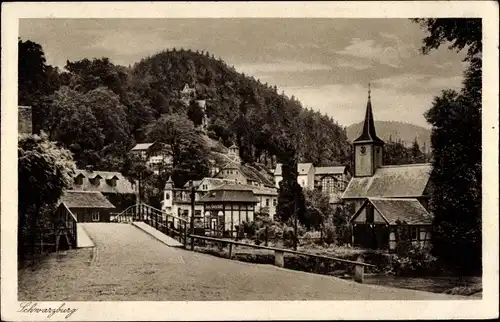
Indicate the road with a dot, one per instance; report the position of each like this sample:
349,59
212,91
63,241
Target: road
128,264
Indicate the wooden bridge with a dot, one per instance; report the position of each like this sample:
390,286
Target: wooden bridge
183,231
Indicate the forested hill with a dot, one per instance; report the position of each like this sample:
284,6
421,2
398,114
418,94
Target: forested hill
99,110
395,131
239,108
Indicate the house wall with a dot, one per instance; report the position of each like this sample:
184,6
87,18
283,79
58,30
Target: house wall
232,174
85,214
262,205
277,180
361,218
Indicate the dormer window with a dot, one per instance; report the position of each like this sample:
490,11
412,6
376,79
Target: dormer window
96,180
111,180
79,179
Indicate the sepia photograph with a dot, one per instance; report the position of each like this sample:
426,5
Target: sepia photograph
189,159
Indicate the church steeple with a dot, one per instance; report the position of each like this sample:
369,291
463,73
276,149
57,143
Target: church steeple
369,134
368,147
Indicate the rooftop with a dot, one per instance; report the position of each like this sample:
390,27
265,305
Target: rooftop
85,199
230,193
123,185
330,170
302,168
391,181
409,210
142,146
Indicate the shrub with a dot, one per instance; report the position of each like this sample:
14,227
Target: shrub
329,232
417,261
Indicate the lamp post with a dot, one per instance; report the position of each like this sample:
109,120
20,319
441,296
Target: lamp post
193,196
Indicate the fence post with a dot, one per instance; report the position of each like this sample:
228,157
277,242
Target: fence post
185,235
359,271
279,258
266,236
230,250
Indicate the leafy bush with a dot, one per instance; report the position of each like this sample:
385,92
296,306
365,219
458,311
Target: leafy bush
417,261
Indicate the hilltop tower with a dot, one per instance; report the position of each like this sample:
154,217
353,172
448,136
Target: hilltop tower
368,147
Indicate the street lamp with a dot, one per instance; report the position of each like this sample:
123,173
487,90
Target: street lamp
193,196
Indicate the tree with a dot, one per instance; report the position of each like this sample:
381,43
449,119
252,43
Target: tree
459,32
44,171
456,137
86,123
396,153
36,80
189,152
415,153
318,208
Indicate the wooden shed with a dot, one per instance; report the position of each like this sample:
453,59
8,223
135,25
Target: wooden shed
88,206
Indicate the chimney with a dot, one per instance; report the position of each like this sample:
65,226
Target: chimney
90,168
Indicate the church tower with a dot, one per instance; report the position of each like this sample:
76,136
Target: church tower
368,148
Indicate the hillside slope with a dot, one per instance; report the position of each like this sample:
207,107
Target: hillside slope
388,130
239,108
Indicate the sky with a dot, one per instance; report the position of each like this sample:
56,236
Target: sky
325,63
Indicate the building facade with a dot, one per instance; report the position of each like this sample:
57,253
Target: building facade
383,196
120,191
156,155
177,202
88,206
226,208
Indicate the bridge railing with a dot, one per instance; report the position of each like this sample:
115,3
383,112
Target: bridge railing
171,225
279,254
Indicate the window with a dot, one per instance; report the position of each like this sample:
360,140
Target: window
167,196
185,213
267,202
414,233
274,202
79,180
95,216
197,213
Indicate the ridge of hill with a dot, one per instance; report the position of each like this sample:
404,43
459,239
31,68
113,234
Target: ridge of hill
395,131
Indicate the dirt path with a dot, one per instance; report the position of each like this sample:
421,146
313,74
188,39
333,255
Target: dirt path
128,264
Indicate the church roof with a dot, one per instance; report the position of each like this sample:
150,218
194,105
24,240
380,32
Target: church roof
368,134
409,210
391,181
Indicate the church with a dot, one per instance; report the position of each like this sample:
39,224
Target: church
383,195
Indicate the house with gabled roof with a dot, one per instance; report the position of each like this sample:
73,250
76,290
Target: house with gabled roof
383,196
113,185
156,155
88,206
305,175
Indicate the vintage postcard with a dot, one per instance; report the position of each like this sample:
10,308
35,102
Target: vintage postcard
249,161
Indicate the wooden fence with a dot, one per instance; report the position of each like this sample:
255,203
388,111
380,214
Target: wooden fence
279,255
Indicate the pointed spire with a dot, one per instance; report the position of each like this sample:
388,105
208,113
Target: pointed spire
368,133
170,184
